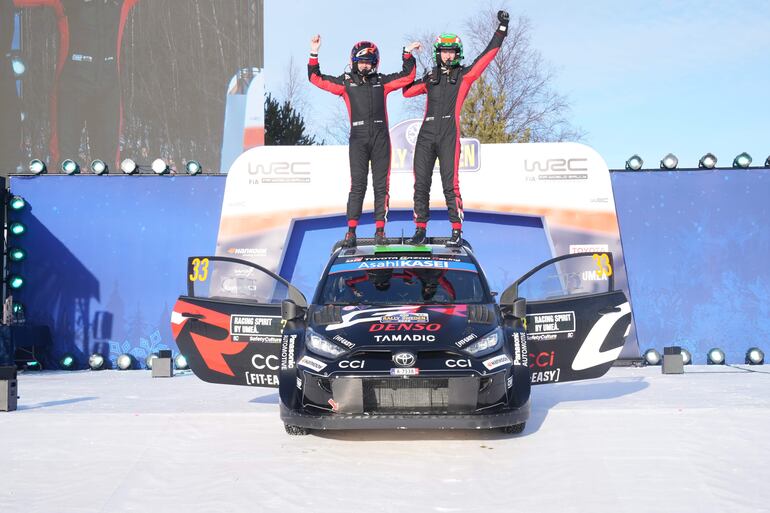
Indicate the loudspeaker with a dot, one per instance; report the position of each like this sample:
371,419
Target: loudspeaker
9,391
162,367
673,362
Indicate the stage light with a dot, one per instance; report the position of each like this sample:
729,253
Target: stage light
707,161
96,361
180,362
716,356
17,229
149,359
125,361
669,162
15,282
193,167
128,166
33,365
742,161
70,167
686,357
16,254
634,163
37,167
19,68
652,357
67,362
17,203
98,167
755,356
17,308
160,167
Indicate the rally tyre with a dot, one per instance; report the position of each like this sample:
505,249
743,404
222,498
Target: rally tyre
513,429
296,430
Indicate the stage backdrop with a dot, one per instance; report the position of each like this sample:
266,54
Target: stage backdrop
697,248
524,203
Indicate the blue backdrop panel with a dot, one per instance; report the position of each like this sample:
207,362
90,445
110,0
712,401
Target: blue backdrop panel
107,257
697,248
310,243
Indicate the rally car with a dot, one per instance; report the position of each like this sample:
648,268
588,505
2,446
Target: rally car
401,336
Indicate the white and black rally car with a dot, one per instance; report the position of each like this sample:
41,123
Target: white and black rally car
401,336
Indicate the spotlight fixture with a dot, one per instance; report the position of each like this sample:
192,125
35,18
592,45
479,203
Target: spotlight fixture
70,167
67,362
125,361
16,254
180,362
17,203
17,308
96,361
98,167
755,356
149,359
634,163
669,162
17,229
707,161
652,357
33,365
686,357
15,282
160,167
128,166
742,161
37,167
17,63
193,167
715,356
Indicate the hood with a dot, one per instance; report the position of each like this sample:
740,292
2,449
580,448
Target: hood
423,327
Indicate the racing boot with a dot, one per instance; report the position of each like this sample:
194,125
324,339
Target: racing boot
419,238
350,239
379,237
456,240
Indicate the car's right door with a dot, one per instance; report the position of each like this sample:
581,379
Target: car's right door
576,322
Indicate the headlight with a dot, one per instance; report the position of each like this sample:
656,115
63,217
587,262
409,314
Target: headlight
489,343
321,346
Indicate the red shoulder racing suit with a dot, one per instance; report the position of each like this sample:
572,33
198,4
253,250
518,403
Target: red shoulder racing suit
439,135
366,99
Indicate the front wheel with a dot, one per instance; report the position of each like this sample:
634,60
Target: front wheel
296,430
514,429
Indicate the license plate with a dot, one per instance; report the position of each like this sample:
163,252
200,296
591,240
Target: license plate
411,371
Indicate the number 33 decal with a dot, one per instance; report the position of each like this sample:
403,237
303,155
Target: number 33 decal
200,269
603,264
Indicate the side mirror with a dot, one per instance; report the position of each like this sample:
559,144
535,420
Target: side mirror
520,308
290,310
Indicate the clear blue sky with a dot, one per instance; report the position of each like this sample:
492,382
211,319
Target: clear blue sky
643,76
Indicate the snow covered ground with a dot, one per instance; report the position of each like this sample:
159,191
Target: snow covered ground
634,440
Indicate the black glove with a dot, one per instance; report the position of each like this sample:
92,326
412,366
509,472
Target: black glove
502,17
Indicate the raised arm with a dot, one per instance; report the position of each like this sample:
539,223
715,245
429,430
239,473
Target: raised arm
405,77
483,60
334,85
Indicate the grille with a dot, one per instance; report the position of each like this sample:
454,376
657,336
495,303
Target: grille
412,395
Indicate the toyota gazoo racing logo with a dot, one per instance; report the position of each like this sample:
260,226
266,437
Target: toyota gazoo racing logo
404,359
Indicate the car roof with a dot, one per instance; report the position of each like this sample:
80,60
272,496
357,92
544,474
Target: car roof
367,250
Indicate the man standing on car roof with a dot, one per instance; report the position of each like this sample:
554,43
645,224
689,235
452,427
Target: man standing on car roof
446,85
365,91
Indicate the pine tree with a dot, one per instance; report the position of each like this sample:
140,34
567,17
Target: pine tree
284,125
482,115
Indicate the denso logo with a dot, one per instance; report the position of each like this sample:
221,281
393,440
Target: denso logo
404,327
280,168
542,359
556,165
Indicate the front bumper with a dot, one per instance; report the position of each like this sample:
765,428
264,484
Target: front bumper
500,418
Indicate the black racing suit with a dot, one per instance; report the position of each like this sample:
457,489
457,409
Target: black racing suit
439,135
365,98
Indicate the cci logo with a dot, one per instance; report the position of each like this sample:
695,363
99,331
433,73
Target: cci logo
261,362
404,359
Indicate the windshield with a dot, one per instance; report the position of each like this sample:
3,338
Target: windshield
403,286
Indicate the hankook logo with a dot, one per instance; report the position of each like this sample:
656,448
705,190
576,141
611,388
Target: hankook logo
280,172
404,359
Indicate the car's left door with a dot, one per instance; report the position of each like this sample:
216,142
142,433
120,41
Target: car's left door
229,324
